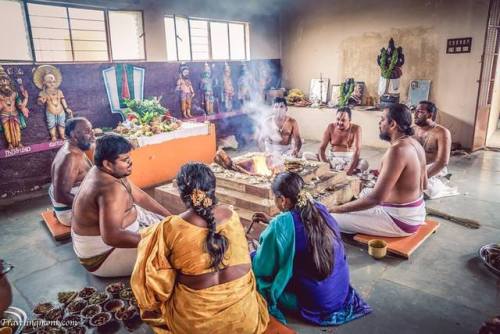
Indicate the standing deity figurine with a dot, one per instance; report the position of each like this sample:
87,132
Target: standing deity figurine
390,61
13,110
185,90
48,78
245,85
228,91
207,87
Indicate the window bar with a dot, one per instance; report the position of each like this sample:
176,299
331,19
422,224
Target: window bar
245,40
228,42
108,35
70,35
209,26
190,40
30,34
175,32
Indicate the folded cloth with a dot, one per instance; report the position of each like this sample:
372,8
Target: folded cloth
437,186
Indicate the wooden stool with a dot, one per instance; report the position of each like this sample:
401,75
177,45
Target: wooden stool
403,246
58,230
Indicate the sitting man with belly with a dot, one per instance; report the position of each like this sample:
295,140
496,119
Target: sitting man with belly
436,141
280,134
395,207
345,140
70,166
109,210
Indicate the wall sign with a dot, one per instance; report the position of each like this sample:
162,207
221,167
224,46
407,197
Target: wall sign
459,45
30,149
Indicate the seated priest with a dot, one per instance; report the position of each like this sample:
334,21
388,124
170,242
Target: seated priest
70,166
280,134
109,211
436,140
300,265
193,272
345,140
395,207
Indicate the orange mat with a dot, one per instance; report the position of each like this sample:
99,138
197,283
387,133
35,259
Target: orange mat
276,327
58,230
403,246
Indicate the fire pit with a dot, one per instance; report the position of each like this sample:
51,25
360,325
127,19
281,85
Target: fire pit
245,183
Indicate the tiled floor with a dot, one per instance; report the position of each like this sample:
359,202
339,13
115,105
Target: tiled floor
443,288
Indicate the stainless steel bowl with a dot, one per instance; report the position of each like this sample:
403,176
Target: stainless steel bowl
485,254
18,315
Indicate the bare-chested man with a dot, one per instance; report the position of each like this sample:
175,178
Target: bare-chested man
436,140
281,130
109,210
70,166
395,207
345,140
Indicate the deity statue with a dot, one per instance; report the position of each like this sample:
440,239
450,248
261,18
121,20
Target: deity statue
228,90
185,90
264,82
13,110
245,85
390,61
207,87
48,78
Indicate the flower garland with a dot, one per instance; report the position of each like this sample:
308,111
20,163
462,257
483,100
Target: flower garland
345,94
387,70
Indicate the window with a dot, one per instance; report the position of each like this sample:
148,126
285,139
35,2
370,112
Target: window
68,34
14,36
127,35
220,40
200,39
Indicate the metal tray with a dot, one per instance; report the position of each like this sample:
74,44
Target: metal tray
483,254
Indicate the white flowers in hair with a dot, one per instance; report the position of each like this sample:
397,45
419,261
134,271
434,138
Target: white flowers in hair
303,198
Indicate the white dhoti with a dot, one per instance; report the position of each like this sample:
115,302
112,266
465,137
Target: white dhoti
277,149
62,211
103,260
386,220
339,161
437,186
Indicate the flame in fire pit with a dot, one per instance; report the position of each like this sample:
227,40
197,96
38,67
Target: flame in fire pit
260,166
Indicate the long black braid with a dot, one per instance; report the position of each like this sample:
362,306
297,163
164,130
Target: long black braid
197,176
320,236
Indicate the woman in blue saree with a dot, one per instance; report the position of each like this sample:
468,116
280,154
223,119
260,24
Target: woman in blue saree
300,265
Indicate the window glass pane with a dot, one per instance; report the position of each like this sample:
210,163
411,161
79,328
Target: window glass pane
51,55
87,35
170,38
85,22
48,11
50,31
91,55
237,41
86,14
127,35
199,39
219,39
183,42
14,34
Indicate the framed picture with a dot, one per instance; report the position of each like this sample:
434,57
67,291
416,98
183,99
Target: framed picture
459,45
319,90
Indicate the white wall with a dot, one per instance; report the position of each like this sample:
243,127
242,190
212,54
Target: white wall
342,39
